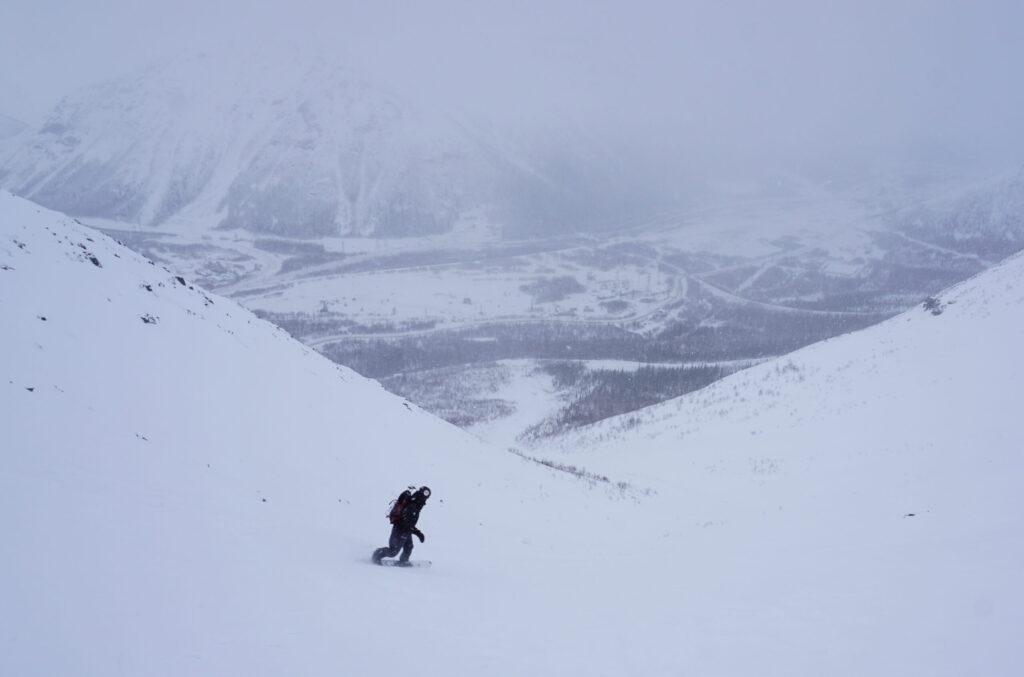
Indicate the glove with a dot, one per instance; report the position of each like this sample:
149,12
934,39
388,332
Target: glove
419,535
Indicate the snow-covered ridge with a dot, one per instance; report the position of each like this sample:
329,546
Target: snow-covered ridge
284,143
969,326
128,356
871,481
173,465
289,146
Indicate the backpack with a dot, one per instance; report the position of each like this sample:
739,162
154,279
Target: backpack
398,505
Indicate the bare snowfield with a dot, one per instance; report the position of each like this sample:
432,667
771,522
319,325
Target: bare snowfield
186,490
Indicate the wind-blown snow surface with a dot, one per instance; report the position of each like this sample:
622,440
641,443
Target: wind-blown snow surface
194,494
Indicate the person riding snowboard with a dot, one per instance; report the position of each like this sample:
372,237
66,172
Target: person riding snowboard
404,515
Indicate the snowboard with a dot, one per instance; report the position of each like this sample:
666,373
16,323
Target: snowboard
413,563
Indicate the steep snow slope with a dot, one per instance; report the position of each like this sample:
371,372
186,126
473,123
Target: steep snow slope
186,490
865,490
193,494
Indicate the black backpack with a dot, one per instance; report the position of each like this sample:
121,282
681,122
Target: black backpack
398,505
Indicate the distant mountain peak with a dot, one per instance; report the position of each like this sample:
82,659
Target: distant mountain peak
288,143
10,126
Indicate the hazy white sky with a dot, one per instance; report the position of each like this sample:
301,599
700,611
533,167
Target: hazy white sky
733,75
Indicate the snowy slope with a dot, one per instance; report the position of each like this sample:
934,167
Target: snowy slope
193,496
198,494
865,490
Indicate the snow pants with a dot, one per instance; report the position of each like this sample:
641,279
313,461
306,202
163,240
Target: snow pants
401,540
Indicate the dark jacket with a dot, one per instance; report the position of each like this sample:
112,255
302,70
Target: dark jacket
410,515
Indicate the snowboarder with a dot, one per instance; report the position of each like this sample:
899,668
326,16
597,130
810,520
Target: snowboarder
404,515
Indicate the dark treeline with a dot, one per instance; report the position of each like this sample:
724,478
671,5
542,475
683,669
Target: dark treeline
382,260
549,289
598,394
746,335
305,326
460,395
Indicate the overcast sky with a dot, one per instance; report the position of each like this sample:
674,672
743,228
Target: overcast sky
726,75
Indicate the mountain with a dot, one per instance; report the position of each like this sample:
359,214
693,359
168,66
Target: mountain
226,161
9,126
860,496
187,490
981,225
940,374
291,144
602,326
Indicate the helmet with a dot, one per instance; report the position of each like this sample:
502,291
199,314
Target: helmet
423,492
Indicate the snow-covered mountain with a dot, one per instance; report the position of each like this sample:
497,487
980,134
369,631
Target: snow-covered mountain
9,126
290,144
757,275
186,490
868,485
982,224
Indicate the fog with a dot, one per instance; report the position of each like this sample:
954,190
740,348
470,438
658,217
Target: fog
723,84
